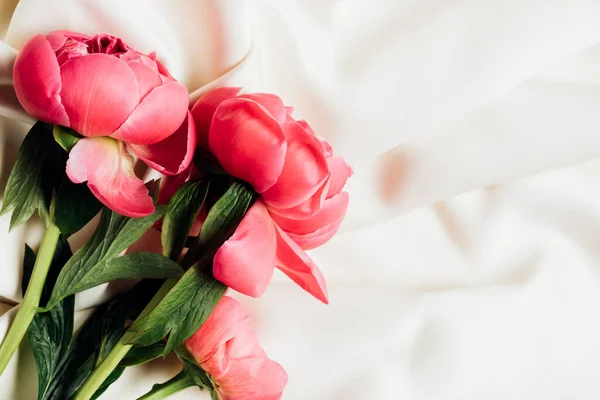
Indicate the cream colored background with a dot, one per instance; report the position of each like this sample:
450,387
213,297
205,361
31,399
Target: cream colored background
469,265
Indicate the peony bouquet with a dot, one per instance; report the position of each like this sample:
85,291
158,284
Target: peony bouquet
244,188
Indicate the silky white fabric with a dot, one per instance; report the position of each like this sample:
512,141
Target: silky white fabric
459,273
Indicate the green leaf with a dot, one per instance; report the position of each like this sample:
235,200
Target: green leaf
98,336
182,311
65,137
129,266
24,191
182,210
141,355
224,217
50,333
190,366
76,205
114,234
221,221
190,375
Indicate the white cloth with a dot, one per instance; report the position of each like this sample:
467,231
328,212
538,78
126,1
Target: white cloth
459,274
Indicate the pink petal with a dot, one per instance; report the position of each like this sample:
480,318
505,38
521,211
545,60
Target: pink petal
318,230
206,345
307,209
204,109
253,378
147,78
294,262
108,169
326,146
317,238
170,183
333,211
246,261
272,103
157,116
72,35
304,172
172,155
248,142
37,82
56,40
340,172
99,92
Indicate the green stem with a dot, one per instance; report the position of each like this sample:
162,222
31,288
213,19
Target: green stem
163,390
120,349
33,294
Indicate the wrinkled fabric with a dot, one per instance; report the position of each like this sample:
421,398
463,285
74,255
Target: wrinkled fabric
467,267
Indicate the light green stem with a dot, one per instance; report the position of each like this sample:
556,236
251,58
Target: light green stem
163,390
33,294
120,349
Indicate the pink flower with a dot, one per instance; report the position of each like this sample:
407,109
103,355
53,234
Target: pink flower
227,348
119,99
300,182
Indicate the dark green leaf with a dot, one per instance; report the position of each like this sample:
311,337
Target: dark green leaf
114,234
182,311
141,355
50,333
221,221
99,335
65,137
129,266
224,217
24,191
190,366
181,213
76,205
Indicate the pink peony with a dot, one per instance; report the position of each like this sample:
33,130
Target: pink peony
120,100
301,204
227,348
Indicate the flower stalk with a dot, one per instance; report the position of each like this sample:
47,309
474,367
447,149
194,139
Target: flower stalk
163,390
33,294
120,349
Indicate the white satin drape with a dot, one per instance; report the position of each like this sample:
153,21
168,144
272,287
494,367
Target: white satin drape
459,274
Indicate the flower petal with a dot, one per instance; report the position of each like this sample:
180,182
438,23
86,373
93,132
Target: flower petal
326,146
108,169
170,183
340,172
37,82
272,103
246,261
157,116
204,109
334,210
147,78
224,323
296,264
253,378
318,230
172,155
99,92
307,209
56,40
248,142
304,172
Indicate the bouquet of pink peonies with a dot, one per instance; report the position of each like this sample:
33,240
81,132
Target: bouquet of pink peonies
244,188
